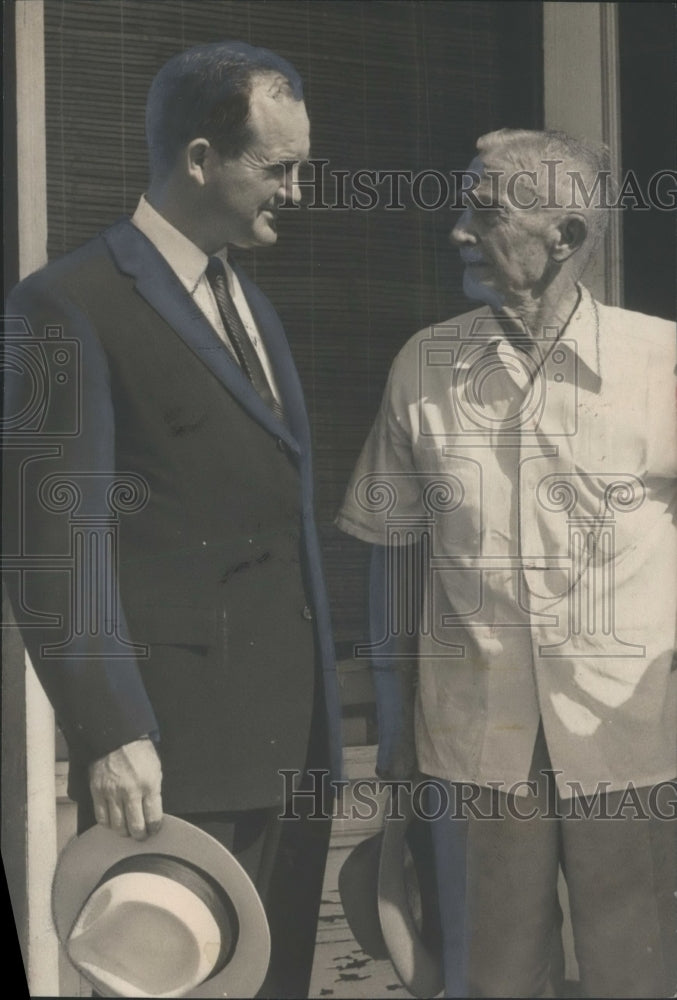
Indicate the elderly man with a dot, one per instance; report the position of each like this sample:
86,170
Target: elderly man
522,470
199,661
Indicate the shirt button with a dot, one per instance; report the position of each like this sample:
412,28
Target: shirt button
307,614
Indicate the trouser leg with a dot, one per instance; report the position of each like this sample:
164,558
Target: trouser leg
620,873
295,891
499,908
513,910
498,863
294,902
286,861
449,837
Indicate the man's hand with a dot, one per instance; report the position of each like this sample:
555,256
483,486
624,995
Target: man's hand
397,761
125,787
401,766
395,671
395,699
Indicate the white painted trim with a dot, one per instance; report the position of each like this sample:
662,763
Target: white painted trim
581,96
359,762
43,949
611,130
31,149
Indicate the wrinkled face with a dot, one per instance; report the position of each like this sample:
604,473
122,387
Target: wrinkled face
505,247
243,195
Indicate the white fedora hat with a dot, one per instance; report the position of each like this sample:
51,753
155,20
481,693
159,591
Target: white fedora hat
175,915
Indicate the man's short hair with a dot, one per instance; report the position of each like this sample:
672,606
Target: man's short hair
205,92
526,149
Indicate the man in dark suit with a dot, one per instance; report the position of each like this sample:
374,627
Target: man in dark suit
160,495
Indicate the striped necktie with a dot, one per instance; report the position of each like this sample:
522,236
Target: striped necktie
242,345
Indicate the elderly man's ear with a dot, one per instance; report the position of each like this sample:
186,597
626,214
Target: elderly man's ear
570,234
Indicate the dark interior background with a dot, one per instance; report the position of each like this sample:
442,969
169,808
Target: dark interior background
648,57
388,85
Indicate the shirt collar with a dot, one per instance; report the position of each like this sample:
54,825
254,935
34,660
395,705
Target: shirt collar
581,334
186,259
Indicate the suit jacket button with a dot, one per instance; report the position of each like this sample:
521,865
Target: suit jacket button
307,614
281,446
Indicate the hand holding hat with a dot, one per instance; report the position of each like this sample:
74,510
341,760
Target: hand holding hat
125,787
172,916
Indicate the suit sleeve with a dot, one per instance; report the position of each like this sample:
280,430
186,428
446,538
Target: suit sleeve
60,521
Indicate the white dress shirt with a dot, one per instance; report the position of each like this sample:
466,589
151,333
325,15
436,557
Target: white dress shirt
189,263
547,499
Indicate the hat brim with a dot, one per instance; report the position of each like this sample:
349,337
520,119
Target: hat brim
418,969
86,859
358,891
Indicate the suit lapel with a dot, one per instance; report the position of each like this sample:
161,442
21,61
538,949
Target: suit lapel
155,281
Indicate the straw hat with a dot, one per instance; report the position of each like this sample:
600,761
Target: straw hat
175,915
389,913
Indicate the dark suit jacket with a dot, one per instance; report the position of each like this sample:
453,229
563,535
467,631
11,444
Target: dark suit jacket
138,452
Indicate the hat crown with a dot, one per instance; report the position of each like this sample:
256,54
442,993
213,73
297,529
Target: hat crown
159,900
145,934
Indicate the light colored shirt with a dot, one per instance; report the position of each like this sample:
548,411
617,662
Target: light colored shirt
543,498
189,263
